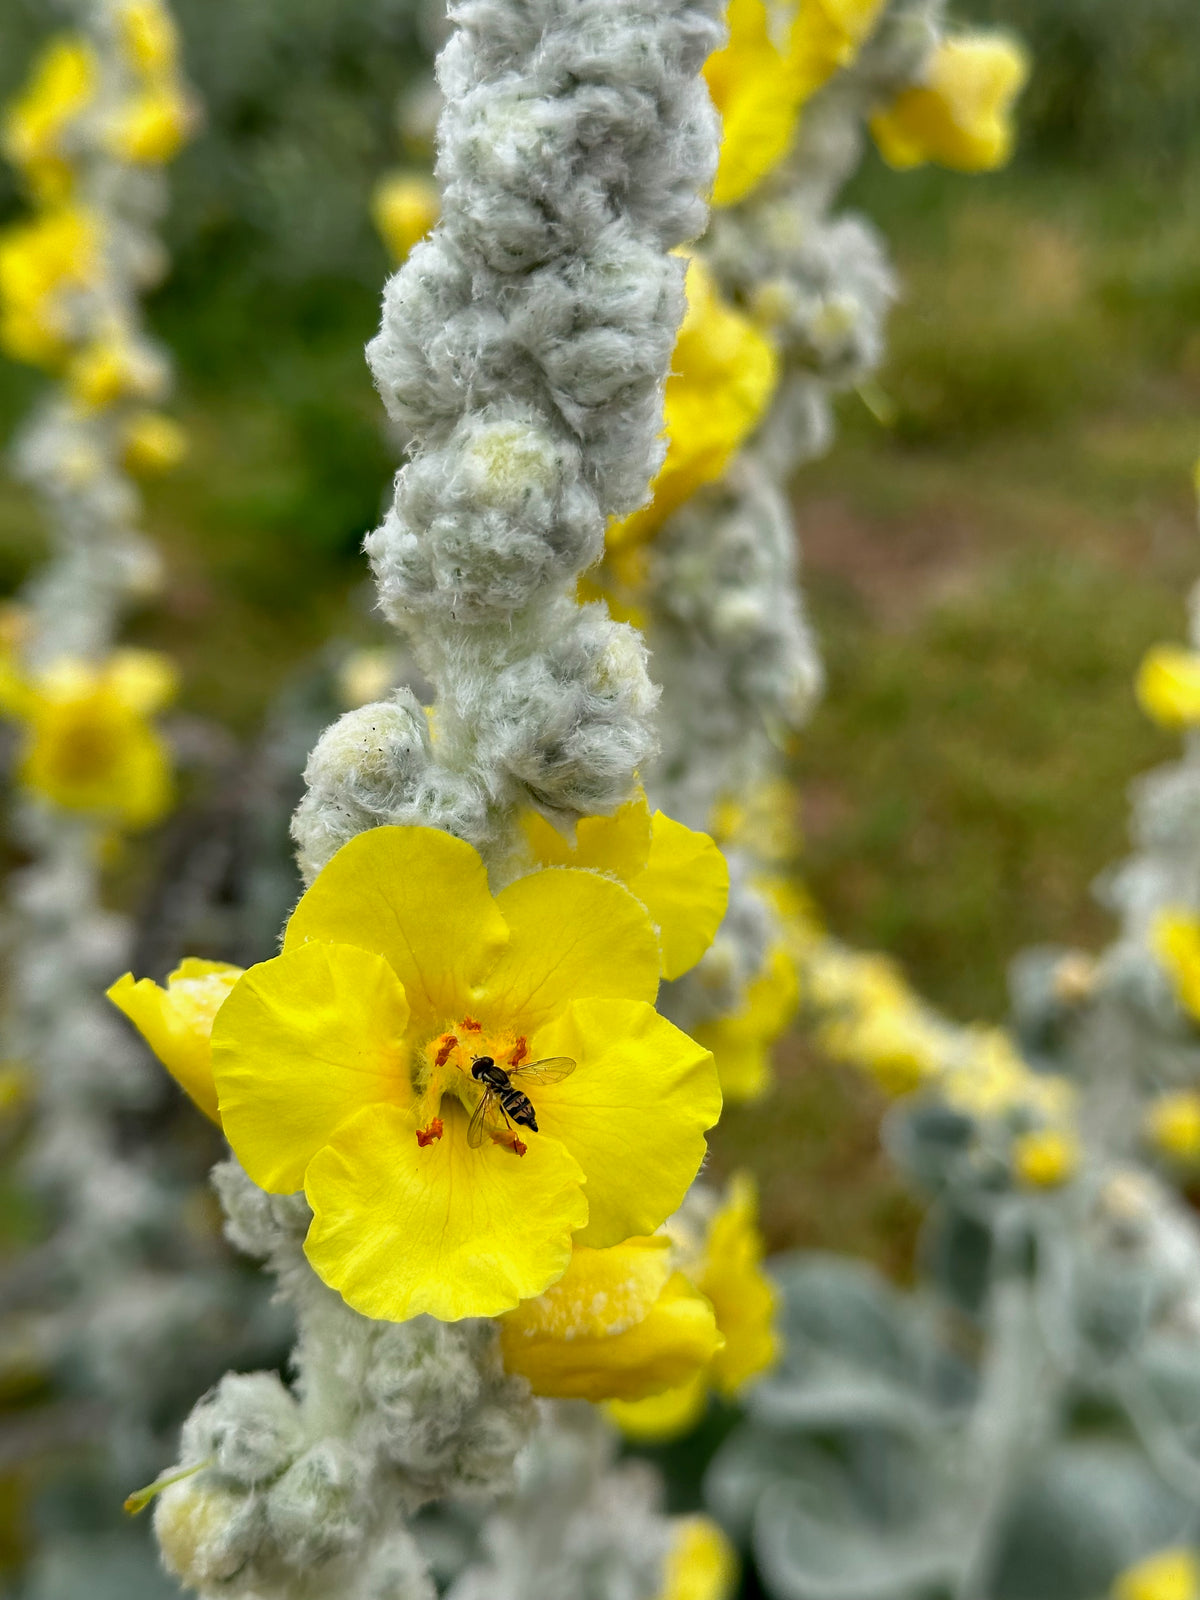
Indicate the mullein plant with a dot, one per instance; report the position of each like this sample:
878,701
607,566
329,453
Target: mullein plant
463,1136
104,110
1024,1425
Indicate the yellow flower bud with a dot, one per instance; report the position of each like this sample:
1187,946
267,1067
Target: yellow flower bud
153,443
151,128
405,207
1173,1124
148,37
1168,686
1045,1158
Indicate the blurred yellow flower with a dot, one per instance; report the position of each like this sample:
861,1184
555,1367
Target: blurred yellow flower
151,127
678,874
1168,686
41,263
619,1324
1173,1124
723,376
148,38
88,743
1175,940
701,1564
897,1043
32,137
404,208
962,115
152,443
345,1066
176,1022
1172,1574
112,369
742,1042
727,1268
759,83
1045,1158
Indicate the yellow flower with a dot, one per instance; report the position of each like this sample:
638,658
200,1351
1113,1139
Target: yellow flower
1045,1158
148,38
1175,940
1168,686
41,262
619,1324
176,1022
345,1066
150,129
367,675
152,443
701,1564
994,1081
723,375
1172,1574
961,116
112,369
32,137
404,208
897,1044
1173,1124
88,744
679,875
727,1268
742,1043
760,88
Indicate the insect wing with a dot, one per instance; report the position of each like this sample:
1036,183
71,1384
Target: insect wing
477,1128
552,1070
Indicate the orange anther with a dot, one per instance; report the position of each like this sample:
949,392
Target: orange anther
449,1043
428,1135
471,1025
518,1149
521,1051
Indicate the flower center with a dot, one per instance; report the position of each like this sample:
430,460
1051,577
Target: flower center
449,1069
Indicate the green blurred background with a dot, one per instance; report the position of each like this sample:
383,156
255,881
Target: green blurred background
985,570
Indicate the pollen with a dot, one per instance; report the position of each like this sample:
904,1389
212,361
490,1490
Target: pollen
426,1136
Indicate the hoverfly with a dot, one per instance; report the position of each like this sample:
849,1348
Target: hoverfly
500,1094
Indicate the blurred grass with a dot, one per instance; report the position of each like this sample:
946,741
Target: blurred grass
985,574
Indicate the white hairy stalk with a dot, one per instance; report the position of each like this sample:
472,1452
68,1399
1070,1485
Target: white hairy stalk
524,352
732,647
123,1322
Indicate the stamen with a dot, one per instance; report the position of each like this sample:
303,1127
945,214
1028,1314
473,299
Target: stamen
521,1051
426,1136
471,1025
449,1043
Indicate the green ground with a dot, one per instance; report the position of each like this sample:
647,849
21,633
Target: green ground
985,574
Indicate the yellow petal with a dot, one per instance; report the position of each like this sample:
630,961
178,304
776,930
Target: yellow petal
401,1229
617,1325
143,680
759,99
176,1022
744,1299
742,1043
700,1565
420,899
87,751
572,935
1168,686
633,1113
1170,1574
662,1416
302,1043
685,888
962,116
619,844
1175,940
